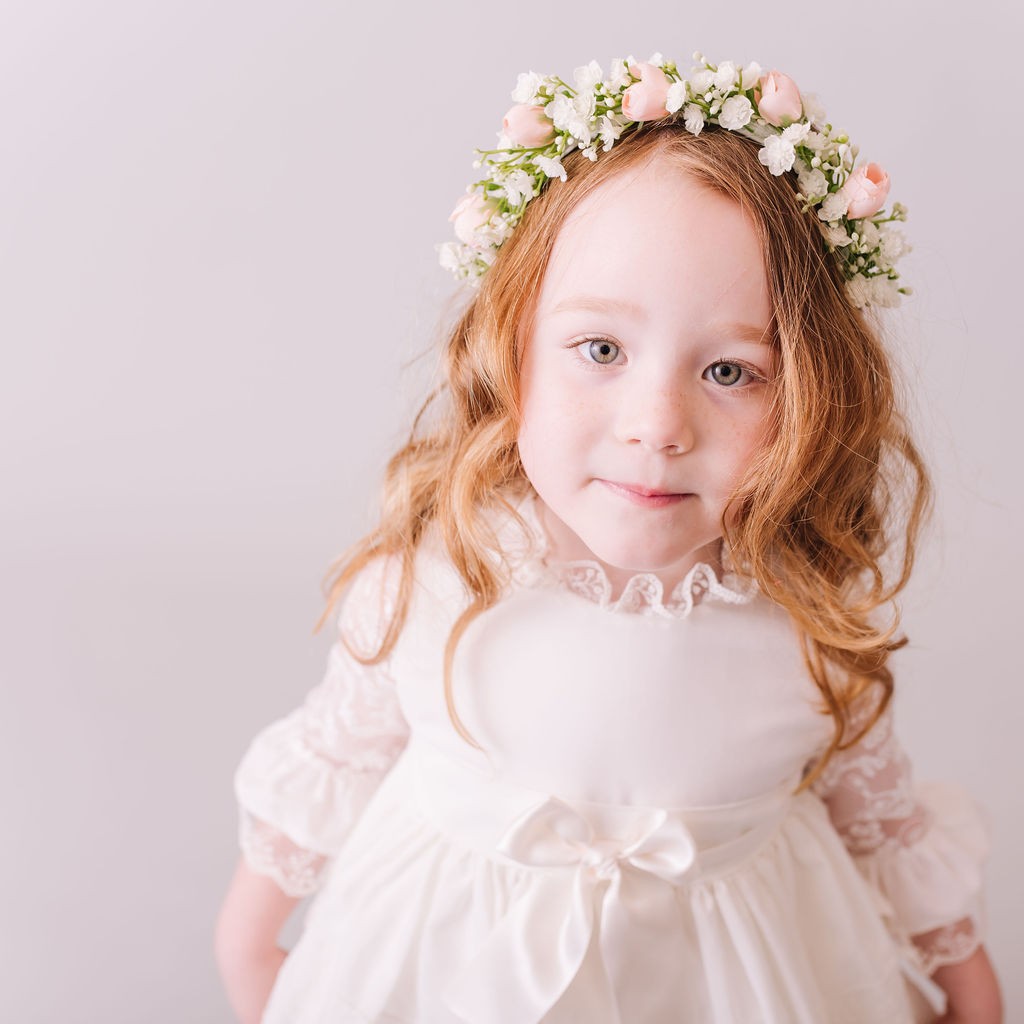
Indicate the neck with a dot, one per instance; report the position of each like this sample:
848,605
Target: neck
565,546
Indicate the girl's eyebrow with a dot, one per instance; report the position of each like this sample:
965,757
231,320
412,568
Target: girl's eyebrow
600,304
746,332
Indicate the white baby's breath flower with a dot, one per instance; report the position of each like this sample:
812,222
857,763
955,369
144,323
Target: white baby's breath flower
587,76
725,77
551,166
450,255
881,291
590,153
814,141
858,291
620,77
870,236
750,75
490,236
526,87
675,97
693,118
701,79
560,111
656,59
736,113
609,130
777,154
503,228
796,133
585,103
894,244
834,207
565,117
836,235
581,130
813,183
516,185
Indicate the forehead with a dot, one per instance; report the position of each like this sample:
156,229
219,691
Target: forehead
655,235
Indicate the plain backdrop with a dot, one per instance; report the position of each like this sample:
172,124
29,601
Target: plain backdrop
218,282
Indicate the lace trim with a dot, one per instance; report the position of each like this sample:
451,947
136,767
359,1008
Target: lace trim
270,852
643,593
870,791
951,944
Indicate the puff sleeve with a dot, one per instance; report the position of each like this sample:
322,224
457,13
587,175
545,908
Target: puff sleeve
921,846
305,779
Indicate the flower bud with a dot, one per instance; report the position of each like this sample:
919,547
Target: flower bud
778,99
526,125
645,100
866,188
471,213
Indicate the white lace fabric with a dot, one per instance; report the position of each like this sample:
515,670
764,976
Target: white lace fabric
270,852
643,593
921,847
305,779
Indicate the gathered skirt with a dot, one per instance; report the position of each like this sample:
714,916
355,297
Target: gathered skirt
463,899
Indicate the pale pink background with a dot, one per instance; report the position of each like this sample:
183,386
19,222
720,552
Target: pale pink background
216,253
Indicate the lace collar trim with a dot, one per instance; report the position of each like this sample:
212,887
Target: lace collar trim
643,593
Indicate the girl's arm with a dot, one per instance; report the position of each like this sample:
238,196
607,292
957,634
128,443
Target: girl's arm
245,942
301,786
923,847
972,990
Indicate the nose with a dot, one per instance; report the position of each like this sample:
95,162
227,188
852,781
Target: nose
658,419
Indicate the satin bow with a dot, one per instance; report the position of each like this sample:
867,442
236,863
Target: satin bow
534,952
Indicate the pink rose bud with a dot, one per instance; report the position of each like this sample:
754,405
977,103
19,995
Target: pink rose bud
866,188
526,125
778,99
645,100
471,213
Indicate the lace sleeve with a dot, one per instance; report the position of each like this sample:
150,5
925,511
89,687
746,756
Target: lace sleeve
922,846
305,779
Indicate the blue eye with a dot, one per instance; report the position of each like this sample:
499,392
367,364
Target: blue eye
603,351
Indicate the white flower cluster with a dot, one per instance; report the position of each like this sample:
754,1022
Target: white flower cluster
552,118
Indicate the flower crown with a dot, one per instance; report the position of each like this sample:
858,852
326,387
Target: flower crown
551,119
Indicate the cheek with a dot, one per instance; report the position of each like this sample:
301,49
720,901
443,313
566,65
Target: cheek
739,449
750,448
547,409
534,434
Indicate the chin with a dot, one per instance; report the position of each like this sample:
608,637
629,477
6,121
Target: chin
641,557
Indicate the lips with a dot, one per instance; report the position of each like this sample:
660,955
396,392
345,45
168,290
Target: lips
646,497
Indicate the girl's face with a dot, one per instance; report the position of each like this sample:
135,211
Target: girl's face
645,380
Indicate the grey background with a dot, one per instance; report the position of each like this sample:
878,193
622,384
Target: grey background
217,273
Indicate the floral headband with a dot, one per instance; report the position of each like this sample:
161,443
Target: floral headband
551,119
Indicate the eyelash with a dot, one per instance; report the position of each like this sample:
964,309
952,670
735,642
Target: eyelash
756,377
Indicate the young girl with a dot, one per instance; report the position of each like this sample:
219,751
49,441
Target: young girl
607,733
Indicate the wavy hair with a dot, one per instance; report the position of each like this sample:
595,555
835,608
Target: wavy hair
827,517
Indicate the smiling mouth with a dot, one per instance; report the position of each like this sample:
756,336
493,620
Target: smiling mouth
644,496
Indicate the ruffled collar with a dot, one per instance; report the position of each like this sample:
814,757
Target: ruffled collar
644,594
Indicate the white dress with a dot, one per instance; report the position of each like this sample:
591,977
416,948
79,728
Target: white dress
626,848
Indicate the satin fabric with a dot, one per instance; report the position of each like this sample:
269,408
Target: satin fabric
420,921
623,848
606,867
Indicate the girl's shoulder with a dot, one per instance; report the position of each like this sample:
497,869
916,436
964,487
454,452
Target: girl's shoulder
369,603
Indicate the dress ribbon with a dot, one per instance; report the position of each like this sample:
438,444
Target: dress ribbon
534,952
